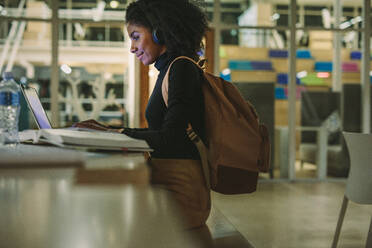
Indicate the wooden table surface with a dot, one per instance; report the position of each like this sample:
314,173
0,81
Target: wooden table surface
43,203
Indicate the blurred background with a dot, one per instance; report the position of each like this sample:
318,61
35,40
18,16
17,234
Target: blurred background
304,64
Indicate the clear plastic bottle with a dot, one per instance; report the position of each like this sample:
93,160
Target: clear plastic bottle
9,108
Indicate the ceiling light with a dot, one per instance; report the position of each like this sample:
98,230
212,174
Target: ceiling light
114,4
66,69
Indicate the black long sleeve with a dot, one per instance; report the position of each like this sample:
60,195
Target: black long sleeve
167,126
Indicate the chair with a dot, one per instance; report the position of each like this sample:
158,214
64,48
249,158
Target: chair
359,182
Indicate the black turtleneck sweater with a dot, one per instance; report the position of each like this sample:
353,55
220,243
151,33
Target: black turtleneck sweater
167,126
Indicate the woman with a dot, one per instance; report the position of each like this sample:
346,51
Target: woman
160,31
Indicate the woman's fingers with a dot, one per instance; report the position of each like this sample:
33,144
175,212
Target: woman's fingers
92,124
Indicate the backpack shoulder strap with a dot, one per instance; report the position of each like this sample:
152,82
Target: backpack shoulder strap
165,84
203,151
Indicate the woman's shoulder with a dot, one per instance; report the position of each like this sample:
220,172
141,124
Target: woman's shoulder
185,65
183,59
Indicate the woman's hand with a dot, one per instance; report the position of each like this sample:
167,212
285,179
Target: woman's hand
93,124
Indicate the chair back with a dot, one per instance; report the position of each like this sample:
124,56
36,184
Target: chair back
359,182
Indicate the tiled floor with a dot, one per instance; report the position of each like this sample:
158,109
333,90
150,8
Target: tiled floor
220,233
295,215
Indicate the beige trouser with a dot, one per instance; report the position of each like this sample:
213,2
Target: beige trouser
184,178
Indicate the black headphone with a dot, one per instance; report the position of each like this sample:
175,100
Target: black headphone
157,36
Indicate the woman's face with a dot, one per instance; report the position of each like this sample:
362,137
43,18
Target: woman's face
142,44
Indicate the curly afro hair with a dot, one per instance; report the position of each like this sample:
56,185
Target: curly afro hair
180,23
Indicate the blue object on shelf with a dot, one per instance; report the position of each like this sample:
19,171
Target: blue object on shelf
280,93
278,53
240,65
262,65
282,78
355,55
323,66
245,65
303,54
226,77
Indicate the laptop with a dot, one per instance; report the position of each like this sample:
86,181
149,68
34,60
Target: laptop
34,104
80,137
40,116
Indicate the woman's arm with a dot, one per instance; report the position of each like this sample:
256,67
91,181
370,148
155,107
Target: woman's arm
93,124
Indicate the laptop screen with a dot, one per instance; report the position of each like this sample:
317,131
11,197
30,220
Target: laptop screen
37,109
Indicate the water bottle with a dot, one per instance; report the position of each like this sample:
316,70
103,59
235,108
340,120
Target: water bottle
9,108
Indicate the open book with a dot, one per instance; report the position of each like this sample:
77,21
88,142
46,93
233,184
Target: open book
84,139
